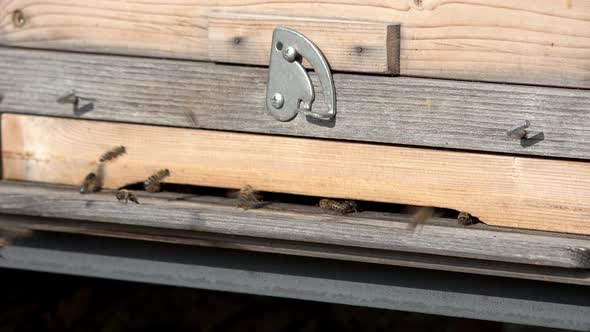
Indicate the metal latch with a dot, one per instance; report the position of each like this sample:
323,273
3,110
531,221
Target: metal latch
290,90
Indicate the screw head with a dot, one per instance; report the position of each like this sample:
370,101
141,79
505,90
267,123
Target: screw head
277,100
18,18
289,54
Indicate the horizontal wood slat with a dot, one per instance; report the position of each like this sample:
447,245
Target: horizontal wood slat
308,249
145,28
355,46
540,42
400,110
372,230
501,190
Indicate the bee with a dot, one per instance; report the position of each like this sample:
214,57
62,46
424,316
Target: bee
124,196
91,184
421,216
249,198
113,154
342,207
466,219
152,184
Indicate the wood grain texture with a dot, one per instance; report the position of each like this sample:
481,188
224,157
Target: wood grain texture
176,29
501,190
399,110
354,46
543,42
307,249
298,223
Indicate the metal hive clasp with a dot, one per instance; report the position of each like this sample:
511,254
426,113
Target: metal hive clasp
289,89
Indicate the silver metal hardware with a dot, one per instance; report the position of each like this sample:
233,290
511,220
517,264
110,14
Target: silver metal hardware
290,54
289,90
277,100
73,98
69,98
518,131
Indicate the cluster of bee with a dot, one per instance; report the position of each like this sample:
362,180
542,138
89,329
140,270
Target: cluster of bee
93,182
420,214
426,212
248,197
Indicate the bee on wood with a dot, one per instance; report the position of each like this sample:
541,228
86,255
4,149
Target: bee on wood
152,184
113,154
125,196
421,216
466,219
249,198
91,184
342,207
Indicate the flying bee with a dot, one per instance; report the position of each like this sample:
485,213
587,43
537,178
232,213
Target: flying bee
249,198
113,154
91,184
342,207
421,216
124,195
466,219
152,184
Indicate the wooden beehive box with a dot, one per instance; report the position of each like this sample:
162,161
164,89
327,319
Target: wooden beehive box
426,93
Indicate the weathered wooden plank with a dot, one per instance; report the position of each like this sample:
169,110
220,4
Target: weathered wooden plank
356,46
400,110
500,190
307,249
542,42
385,231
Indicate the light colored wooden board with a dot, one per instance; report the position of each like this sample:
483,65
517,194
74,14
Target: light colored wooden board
501,190
536,42
307,249
386,231
355,46
149,28
399,110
